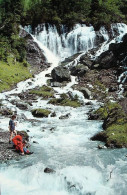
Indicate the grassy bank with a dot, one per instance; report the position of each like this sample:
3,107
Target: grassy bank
12,72
114,125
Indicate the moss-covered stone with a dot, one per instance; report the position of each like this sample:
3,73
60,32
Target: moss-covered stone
114,125
40,112
65,102
44,91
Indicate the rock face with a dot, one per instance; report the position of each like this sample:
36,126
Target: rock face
34,54
114,57
60,74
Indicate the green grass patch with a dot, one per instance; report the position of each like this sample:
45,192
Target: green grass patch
65,101
117,133
103,112
44,91
11,73
40,112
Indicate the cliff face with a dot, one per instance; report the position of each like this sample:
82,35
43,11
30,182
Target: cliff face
34,55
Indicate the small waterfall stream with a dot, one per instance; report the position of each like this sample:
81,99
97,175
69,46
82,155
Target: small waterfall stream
81,168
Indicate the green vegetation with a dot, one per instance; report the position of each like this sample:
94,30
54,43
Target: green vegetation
11,73
40,112
44,91
65,101
115,124
103,111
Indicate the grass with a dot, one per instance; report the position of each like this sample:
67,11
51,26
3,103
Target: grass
40,112
116,124
117,133
102,112
44,91
12,73
65,101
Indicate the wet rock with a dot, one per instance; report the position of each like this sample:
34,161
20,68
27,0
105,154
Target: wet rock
86,92
53,114
60,74
48,75
35,142
64,116
27,131
52,129
22,106
48,170
56,84
101,147
101,136
89,104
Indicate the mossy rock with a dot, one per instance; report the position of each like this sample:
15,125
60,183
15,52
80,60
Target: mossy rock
65,102
44,92
41,113
114,125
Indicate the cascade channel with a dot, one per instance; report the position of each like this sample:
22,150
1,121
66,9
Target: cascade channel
81,169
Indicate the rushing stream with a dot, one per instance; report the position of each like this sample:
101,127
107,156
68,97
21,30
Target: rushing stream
64,145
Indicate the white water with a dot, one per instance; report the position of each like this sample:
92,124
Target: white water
81,168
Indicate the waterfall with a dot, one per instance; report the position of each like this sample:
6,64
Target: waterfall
80,39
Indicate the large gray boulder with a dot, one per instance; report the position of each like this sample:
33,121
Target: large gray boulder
60,74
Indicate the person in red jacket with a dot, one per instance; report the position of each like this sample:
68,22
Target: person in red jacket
20,145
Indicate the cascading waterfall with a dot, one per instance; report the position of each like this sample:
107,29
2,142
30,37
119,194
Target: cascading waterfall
80,39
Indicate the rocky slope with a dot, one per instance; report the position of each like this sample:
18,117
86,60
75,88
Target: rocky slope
34,54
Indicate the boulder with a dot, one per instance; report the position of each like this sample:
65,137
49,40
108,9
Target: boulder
85,92
56,84
60,74
48,170
64,116
105,61
79,70
53,114
22,106
41,112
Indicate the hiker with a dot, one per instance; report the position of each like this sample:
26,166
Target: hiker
12,125
19,144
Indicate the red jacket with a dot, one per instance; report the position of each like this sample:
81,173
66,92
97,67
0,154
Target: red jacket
17,140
